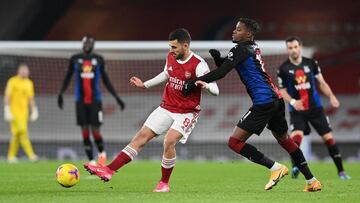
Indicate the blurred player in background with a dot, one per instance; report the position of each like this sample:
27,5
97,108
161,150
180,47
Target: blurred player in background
296,78
19,96
88,68
268,106
176,116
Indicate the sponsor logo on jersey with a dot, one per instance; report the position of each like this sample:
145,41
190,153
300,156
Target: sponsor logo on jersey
176,83
301,78
87,70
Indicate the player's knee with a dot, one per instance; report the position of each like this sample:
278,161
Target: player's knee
235,144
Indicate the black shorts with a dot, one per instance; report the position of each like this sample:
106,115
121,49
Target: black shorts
317,118
270,114
89,114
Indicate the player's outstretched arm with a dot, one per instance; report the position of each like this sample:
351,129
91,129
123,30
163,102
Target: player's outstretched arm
159,79
212,88
136,82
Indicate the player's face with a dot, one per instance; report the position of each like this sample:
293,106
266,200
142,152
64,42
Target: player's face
294,49
241,33
23,72
88,45
178,49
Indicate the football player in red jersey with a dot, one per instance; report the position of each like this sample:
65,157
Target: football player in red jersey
176,116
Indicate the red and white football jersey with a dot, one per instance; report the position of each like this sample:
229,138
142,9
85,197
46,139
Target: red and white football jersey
178,72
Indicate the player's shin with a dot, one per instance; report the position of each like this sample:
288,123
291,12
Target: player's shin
124,157
167,166
250,152
297,156
334,152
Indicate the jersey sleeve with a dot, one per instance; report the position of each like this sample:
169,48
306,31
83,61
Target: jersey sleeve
316,68
281,78
202,68
237,55
9,87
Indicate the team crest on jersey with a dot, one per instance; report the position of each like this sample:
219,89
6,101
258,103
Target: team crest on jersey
306,69
291,71
187,75
230,55
94,62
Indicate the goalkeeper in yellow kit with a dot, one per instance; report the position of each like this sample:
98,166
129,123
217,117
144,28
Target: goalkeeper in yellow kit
19,96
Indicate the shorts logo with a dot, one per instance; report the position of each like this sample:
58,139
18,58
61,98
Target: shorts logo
244,116
187,75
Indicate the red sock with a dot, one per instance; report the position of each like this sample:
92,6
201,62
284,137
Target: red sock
297,139
236,144
85,133
125,156
167,166
96,134
289,145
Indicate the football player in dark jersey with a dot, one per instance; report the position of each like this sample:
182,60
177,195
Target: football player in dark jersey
268,107
296,79
89,68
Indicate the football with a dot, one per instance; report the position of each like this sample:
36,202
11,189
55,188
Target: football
67,175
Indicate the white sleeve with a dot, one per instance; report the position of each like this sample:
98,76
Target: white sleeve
162,77
201,69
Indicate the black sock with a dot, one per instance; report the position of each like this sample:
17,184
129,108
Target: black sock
301,163
254,155
100,144
336,156
88,149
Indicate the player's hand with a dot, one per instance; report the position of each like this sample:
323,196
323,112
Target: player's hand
334,102
136,82
298,105
121,103
188,86
216,56
34,114
7,114
202,84
60,101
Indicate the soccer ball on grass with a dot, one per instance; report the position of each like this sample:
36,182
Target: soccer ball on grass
67,175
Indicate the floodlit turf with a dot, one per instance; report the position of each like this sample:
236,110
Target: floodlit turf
191,182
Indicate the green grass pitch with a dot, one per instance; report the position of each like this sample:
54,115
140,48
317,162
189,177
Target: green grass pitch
191,182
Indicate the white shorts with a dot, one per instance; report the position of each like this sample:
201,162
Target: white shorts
161,120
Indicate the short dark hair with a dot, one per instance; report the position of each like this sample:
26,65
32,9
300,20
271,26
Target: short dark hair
294,38
181,35
251,25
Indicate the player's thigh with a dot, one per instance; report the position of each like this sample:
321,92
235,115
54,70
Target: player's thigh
96,114
172,137
19,126
299,122
278,124
82,114
256,118
159,121
320,122
184,123
143,136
